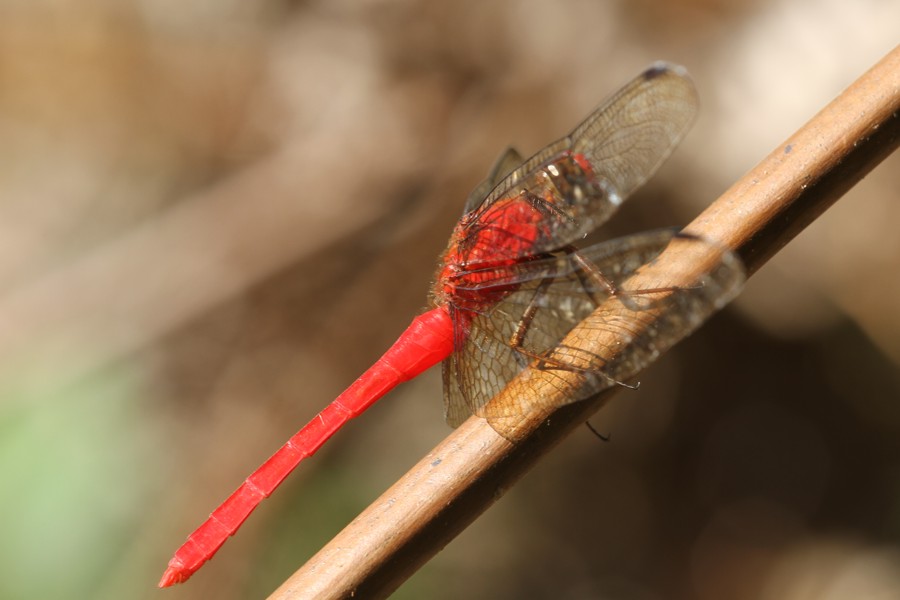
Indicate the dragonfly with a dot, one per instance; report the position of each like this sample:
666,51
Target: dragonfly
512,283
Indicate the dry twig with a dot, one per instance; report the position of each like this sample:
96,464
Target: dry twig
472,468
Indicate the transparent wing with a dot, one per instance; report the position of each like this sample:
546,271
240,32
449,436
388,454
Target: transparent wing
628,138
557,293
508,160
623,141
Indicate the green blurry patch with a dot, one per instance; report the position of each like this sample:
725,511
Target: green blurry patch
73,484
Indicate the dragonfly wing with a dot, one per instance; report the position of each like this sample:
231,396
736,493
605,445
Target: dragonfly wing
631,134
556,294
508,160
483,366
456,409
622,142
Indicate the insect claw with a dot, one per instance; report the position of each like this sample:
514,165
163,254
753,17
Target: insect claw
605,438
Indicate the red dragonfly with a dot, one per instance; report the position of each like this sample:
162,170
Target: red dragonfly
511,285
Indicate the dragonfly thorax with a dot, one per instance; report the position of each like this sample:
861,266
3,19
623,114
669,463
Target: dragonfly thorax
478,268
517,225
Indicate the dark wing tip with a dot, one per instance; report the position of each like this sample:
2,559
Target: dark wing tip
660,68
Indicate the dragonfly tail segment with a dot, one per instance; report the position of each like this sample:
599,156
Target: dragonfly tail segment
427,341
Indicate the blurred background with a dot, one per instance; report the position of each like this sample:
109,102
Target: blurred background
215,215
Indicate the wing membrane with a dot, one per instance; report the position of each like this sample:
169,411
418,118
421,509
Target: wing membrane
628,138
561,295
507,162
624,141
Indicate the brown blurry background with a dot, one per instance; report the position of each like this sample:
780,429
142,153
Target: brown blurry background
215,215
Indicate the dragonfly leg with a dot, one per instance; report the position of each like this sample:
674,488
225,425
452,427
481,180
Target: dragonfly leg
517,339
593,429
592,278
548,362
589,271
